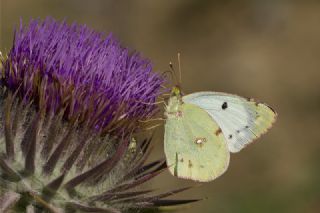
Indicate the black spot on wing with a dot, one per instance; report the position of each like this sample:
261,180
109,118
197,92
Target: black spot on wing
224,105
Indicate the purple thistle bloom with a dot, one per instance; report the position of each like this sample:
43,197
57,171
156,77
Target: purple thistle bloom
92,78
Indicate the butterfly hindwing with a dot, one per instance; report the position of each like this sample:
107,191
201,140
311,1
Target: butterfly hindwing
241,120
194,145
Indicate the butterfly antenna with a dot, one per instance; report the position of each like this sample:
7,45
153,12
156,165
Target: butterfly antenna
179,65
173,72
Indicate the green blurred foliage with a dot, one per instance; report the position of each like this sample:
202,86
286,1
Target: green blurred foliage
269,50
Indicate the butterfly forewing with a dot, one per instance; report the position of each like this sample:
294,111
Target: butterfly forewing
194,144
241,120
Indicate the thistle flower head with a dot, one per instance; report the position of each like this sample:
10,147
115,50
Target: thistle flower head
71,101
89,77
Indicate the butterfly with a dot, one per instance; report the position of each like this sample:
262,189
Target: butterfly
202,129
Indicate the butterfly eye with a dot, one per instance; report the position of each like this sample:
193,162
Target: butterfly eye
175,91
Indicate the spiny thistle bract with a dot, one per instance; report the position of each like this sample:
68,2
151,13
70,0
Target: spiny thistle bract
70,102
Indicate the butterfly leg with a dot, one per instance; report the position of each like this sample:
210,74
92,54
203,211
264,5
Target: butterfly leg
151,120
152,127
154,103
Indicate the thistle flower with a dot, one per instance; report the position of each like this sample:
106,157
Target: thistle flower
71,101
72,68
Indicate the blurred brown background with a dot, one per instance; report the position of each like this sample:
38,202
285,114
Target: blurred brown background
269,50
